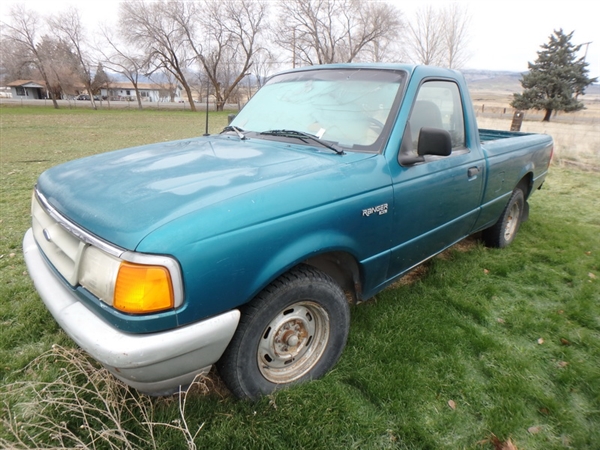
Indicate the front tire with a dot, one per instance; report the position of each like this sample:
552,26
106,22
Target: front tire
503,232
293,331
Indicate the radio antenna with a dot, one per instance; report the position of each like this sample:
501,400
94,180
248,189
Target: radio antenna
206,133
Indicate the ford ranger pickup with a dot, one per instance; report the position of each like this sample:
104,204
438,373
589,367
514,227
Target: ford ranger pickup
244,249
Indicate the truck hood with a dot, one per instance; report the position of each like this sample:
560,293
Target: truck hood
123,196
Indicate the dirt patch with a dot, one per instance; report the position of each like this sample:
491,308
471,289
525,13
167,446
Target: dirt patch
421,270
412,277
463,246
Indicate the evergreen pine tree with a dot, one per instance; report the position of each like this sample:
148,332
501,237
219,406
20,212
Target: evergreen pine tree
556,79
101,80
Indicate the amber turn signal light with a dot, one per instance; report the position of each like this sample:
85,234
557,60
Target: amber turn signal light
142,289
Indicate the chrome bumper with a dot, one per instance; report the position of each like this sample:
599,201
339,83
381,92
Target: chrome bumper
156,363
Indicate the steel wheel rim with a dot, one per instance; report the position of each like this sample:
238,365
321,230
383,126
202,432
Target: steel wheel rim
293,342
512,221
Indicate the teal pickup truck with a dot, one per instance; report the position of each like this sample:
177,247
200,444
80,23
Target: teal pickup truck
245,248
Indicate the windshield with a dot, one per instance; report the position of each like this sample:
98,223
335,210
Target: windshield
347,107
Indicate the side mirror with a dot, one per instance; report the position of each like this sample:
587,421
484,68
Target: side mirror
434,141
230,118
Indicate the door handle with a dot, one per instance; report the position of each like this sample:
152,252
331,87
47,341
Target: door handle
473,171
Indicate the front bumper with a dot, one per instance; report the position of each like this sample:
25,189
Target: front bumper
156,363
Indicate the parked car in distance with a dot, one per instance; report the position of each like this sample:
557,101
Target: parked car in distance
87,97
244,248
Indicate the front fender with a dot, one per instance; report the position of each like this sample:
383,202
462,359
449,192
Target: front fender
225,271
320,242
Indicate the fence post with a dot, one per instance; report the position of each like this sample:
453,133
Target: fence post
517,120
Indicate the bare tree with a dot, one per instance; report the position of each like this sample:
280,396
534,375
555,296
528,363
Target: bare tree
101,80
24,30
224,37
125,60
63,77
264,65
154,29
307,27
425,41
68,28
167,82
328,31
371,27
439,37
456,21
388,48
12,65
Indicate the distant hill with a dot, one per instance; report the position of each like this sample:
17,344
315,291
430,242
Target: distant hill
500,81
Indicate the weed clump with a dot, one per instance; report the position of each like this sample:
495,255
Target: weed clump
83,406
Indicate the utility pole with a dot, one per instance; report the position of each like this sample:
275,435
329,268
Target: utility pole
294,48
587,44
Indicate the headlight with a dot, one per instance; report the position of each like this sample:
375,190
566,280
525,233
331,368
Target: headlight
98,273
135,283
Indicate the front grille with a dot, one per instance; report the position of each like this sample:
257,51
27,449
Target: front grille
62,249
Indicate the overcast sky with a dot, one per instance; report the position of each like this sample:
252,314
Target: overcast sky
504,34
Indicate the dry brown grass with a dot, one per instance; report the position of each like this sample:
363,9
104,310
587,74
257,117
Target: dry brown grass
83,406
574,143
576,135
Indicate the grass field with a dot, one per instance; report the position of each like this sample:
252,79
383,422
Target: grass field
479,348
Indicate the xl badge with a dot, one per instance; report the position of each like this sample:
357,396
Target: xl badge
379,210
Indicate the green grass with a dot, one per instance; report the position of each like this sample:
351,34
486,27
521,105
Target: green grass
510,338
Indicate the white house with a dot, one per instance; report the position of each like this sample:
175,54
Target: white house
148,92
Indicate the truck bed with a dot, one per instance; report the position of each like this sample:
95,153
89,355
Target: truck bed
486,135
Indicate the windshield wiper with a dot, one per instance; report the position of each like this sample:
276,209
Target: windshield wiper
302,136
237,130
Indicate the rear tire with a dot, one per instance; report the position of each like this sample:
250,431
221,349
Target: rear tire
503,232
293,331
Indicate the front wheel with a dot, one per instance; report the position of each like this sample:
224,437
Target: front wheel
295,330
503,232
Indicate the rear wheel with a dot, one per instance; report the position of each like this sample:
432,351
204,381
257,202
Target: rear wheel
503,232
295,330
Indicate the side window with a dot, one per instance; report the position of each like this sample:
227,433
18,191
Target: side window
438,105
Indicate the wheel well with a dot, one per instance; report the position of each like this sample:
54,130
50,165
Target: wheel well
344,270
526,184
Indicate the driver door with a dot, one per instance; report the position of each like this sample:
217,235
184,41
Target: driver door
436,202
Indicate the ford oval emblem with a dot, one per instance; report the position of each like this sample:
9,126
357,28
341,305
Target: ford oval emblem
46,234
